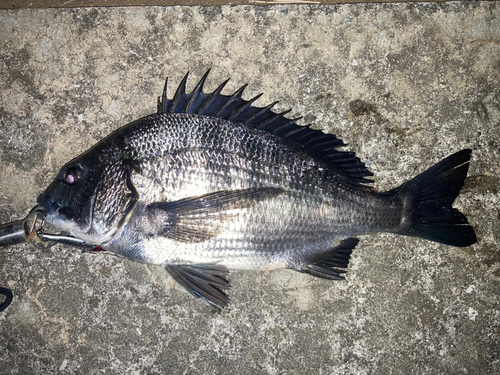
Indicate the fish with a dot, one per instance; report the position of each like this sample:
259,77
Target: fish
211,183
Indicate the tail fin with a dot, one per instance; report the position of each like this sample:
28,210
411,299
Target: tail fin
431,195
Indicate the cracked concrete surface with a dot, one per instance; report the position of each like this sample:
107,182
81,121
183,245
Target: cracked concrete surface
404,84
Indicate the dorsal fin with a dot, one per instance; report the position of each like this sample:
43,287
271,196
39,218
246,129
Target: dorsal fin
235,108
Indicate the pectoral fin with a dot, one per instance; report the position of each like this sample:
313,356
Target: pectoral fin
207,281
197,219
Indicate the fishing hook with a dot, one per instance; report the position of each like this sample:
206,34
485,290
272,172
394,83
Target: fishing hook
31,229
18,232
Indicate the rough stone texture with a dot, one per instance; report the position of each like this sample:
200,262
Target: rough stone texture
404,84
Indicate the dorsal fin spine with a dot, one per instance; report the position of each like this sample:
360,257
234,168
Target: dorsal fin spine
237,95
260,112
275,116
296,131
181,90
325,143
314,137
208,101
196,92
242,108
289,123
162,103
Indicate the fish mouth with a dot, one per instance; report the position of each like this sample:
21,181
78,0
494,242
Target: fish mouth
47,203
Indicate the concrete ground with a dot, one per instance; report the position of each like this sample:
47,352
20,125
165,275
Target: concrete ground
404,84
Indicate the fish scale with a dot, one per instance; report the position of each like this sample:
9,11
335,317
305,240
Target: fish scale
211,183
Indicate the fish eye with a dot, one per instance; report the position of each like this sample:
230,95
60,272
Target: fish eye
72,175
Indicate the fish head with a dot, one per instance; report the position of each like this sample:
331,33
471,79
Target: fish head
90,197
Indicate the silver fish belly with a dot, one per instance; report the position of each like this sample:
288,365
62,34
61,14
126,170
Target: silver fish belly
211,183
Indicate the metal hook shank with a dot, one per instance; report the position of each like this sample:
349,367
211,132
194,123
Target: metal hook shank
63,239
12,233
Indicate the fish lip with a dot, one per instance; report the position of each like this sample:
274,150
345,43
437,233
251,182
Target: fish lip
47,203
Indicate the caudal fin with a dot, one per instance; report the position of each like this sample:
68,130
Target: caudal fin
431,195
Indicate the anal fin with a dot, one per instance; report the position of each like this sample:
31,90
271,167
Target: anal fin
206,281
332,264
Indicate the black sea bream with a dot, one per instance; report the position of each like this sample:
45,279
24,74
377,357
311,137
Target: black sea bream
211,182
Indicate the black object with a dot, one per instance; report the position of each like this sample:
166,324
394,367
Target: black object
8,298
